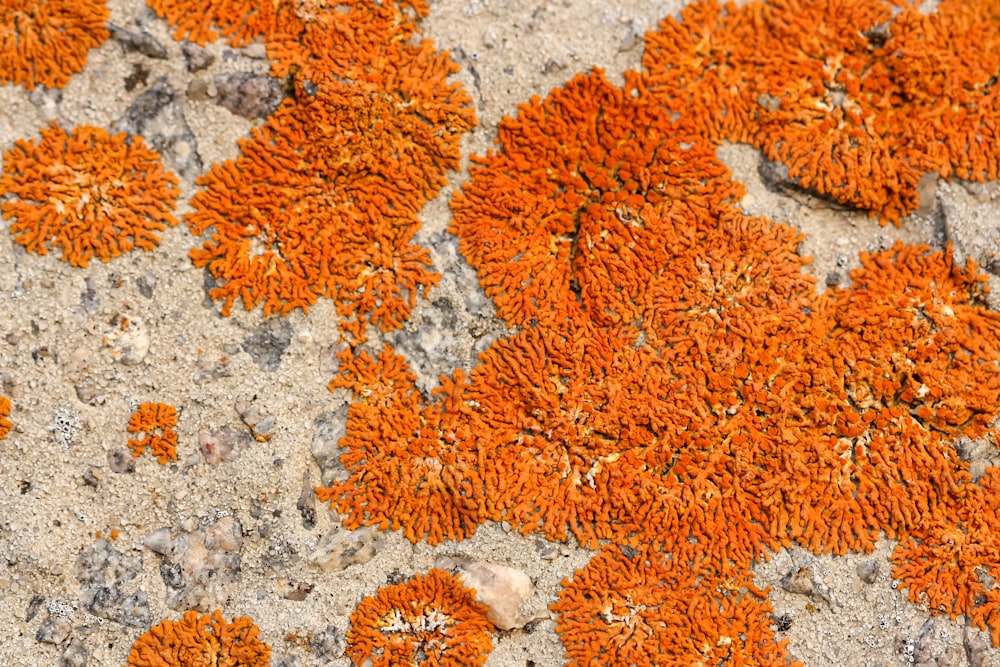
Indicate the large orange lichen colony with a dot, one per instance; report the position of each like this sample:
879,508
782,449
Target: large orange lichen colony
43,42
858,98
430,620
88,193
201,641
154,424
676,381
323,200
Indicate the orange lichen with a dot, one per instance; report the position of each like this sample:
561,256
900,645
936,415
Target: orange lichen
44,42
342,36
674,379
154,422
5,423
858,98
951,563
430,620
412,477
201,21
645,608
201,641
323,200
88,193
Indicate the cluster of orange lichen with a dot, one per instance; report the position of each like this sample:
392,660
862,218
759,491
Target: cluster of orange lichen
859,98
88,193
43,42
674,380
5,423
201,641
323,200
429,620
154,422
645,608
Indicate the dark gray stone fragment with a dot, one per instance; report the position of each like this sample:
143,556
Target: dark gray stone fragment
55,630
107,590
141,42
75,655
249,95
196,57
157,115
267,344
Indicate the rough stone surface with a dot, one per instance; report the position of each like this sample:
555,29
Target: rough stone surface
108,586
249,95
341,548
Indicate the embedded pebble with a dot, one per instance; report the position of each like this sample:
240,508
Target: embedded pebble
342,548
803,581
75,655
221,445
261,425
146,283
55,630
249,95
328,429
203,565
121,461
868,571
142,42
306,504
158,116
159,541
128,342
499,588
106,576
196,57
267,344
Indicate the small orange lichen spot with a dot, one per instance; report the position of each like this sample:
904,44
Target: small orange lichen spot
5,423
645,608
155,422
88,193
43,42
430,620
201,641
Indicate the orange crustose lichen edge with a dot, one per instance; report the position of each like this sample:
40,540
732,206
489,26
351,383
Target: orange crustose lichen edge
201,640
44,42
323,200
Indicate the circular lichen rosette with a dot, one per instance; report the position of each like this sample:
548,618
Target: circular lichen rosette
431,620
87,193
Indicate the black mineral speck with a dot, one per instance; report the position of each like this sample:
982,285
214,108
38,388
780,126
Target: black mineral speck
33,606
783,622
